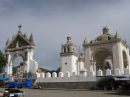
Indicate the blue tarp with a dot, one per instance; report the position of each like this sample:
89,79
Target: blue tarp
3,78
15,83
27,84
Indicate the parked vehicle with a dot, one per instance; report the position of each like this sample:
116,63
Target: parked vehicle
113,83
12,92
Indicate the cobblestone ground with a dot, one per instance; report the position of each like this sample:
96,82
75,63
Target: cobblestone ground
73,93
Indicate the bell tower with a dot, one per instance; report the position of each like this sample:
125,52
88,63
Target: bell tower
69,57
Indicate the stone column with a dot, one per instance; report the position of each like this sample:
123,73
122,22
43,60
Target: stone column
8,68
128,59
87,59
28,61
117,57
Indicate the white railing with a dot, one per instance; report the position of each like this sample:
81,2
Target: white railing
64,77
72,77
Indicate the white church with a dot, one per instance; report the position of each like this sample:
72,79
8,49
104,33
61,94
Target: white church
20,45
104,52
105,55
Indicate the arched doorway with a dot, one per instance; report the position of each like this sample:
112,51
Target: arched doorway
23,46
125,60
18,64
103,60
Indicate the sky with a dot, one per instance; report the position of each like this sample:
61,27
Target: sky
51,21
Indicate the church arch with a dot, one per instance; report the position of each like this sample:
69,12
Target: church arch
20,48
103,59
16,61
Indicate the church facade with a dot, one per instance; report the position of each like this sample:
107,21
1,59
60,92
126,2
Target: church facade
23,46
105,52
105,55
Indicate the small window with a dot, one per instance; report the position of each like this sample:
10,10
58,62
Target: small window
65,63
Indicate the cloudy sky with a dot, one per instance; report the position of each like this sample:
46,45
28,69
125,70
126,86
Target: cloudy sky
51,21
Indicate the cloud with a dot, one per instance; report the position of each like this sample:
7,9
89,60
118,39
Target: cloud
51,21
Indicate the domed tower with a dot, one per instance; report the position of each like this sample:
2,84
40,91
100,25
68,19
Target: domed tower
68,57
107,51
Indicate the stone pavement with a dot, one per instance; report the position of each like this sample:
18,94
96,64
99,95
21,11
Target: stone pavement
73,93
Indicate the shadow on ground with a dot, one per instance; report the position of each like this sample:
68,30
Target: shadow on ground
121,93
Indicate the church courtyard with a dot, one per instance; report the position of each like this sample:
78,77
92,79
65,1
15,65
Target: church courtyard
72,93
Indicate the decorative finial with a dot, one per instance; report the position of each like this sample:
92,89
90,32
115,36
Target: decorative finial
117,35
105,30
125,41
7,41
19,27
68,39
17,44
31,39
25,35
85,41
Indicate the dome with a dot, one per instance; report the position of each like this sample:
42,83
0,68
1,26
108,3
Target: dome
105,36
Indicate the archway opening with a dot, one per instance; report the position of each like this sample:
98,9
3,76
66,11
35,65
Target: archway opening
17,67
125,60
103,60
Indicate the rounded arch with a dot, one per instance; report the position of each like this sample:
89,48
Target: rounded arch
100,49
17,59
17,55
125,59
103,58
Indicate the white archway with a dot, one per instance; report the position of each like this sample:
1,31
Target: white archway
103,60
21,45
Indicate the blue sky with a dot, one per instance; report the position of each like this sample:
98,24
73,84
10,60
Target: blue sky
51,21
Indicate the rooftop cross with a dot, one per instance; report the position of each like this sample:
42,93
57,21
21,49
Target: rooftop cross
19,27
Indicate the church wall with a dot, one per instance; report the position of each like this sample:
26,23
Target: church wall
73,78
117,57
66,85
32,64
74,64
82,77
128,56
126,49
68,63
81,66
114,48
87,55
7,68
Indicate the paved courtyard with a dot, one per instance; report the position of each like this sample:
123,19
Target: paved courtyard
72,93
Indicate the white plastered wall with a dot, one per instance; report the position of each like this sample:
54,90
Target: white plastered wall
69,63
